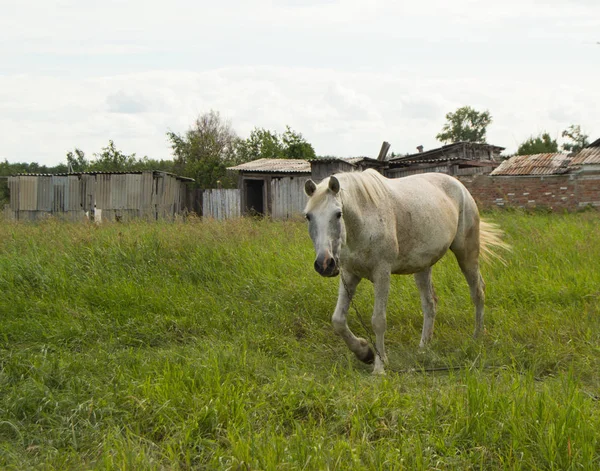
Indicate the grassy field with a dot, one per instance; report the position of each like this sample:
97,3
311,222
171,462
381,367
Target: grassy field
207,345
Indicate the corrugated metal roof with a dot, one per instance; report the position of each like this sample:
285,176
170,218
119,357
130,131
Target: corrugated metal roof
589,155
274,166
427,155
536,164
596,143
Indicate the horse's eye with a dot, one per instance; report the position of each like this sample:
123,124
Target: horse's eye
307,216
338,215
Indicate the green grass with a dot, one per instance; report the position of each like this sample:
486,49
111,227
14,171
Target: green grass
207,345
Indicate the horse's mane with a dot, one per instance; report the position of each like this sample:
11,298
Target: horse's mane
360,189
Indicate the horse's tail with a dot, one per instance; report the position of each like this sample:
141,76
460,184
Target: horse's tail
490,240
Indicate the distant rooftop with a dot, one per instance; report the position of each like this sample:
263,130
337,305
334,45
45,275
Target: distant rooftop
439,152
588,155
350,160
535,164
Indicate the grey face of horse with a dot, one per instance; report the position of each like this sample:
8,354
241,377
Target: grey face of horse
326,228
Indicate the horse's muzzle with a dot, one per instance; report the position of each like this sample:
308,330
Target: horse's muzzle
326,267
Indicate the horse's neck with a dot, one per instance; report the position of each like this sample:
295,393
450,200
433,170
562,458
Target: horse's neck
354,225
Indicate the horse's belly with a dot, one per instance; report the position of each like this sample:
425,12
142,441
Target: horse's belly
417,260
399,264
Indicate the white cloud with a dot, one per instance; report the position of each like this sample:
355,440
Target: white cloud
346,74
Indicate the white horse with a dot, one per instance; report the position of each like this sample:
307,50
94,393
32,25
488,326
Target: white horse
367,226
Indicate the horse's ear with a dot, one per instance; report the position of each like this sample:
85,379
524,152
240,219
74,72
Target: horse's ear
309,187
334,185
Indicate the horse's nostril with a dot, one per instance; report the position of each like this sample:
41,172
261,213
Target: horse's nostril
318,267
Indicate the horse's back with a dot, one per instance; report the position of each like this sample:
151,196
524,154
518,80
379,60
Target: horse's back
434,211
430,182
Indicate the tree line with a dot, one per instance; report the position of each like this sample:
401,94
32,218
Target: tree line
211,145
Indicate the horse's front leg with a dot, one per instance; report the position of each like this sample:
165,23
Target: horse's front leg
381,286
359,346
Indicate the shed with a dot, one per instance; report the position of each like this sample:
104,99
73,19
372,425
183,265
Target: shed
112,196
273,187
459,158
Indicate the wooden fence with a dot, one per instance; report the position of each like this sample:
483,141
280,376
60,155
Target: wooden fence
221,204
288,197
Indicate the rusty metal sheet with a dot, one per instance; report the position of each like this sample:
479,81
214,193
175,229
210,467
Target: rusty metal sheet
589,155
536,164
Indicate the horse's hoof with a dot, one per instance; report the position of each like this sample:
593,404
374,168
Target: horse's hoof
368,357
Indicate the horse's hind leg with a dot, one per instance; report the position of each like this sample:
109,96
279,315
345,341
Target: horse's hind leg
428,303
469,264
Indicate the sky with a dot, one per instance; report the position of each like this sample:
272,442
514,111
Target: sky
346,74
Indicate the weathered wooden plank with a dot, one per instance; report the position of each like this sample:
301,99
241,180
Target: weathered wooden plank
221,203
288,197
385,147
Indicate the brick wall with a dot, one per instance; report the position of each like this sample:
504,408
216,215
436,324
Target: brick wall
556,192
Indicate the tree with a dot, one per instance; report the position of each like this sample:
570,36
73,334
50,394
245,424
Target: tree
206,150
578,139
542,144
76,161
152,164
265,144
7,168
465,124
109,160
261,144
295,146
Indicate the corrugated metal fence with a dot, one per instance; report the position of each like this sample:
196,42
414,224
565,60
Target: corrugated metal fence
98,196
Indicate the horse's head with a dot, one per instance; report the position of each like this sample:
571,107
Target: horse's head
325,224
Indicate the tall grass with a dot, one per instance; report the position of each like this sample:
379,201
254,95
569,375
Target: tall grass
207,345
